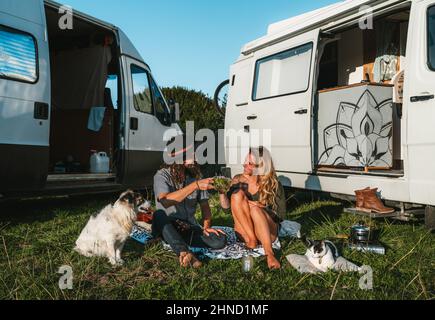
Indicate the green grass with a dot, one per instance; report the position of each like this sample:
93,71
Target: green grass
37,237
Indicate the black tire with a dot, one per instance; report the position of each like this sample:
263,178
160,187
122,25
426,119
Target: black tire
216,97
430,218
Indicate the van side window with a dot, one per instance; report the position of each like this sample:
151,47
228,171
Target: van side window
18,56
284,73
431,37
141,90
112,91
159,104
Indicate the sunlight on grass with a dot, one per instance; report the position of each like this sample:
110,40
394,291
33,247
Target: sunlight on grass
36,238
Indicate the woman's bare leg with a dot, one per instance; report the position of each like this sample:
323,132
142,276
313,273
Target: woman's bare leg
266,231
243,223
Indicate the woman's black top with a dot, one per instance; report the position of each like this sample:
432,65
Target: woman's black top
281,209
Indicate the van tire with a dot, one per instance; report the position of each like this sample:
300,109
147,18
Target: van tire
430,218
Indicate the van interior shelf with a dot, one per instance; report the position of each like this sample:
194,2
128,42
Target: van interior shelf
379,84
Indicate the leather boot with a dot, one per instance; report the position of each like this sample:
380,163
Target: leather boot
360,198
372,203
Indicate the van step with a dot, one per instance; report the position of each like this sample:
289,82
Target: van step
86,188
55,178
66,190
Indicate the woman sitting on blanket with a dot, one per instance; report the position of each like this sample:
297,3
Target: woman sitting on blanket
258,202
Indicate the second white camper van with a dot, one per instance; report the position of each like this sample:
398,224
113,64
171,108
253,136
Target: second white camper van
348,94
68,90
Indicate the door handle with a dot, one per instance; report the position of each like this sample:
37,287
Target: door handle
247,129
422,98
40,111
253,117
301,111
134,123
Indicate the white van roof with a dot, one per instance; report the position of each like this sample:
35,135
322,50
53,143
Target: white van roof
320,18
126,46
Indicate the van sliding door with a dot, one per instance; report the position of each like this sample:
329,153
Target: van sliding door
282,96
419,102
24,96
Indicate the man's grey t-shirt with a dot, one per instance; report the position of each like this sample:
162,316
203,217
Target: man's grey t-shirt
185,210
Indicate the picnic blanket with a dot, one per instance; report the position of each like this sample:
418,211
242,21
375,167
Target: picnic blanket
234,249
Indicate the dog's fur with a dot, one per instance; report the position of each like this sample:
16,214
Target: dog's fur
106,233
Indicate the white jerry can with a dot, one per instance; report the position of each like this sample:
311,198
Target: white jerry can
100,163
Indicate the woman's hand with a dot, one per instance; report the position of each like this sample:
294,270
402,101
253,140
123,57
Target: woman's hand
205,184
217,232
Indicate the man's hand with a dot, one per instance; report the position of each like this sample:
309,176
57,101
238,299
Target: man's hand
205,184
217,232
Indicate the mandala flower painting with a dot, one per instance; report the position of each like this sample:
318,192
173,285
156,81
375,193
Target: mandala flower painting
362,135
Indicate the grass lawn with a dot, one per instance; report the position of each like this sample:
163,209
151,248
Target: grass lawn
37,237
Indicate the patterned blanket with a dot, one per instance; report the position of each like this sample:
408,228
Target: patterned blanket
234,249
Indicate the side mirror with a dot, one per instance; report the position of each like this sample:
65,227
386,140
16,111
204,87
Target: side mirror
175,112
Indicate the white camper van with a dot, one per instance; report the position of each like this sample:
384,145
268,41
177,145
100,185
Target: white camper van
70,90
348,94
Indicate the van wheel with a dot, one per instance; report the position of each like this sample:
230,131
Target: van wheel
430,218
221,97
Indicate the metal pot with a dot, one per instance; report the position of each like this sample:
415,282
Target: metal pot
361,233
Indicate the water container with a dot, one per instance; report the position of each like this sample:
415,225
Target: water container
100,163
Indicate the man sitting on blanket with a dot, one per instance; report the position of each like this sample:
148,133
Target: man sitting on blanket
179,189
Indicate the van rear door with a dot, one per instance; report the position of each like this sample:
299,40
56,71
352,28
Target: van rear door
419,102
282,96
24,95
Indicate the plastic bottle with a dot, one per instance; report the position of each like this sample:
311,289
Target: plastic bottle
100,162
248,263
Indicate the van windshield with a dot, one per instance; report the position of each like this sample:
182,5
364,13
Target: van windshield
431,37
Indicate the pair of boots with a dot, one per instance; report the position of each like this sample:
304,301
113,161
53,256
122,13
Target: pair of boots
367,200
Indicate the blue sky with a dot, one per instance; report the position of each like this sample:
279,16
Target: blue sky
192,43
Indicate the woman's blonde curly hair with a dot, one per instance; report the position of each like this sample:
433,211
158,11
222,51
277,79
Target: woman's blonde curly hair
267,178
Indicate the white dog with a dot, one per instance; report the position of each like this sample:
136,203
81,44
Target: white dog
106,233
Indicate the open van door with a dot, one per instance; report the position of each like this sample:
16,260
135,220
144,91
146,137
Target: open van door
24,95
419,103
148,118
282,96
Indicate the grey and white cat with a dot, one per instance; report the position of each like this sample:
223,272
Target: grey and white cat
321,253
